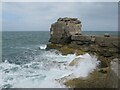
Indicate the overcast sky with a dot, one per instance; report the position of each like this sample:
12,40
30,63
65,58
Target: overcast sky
38,16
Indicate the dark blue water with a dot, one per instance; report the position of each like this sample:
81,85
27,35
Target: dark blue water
18,46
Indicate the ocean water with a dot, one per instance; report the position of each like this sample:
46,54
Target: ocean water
26,63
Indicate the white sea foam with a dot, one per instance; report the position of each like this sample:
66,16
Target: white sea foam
43,46
43,73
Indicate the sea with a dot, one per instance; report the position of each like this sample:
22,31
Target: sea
27,64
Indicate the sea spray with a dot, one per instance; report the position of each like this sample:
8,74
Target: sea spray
46,70
86,65
43,46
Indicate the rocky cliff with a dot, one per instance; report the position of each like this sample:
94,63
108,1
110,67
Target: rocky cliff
62,30
66,37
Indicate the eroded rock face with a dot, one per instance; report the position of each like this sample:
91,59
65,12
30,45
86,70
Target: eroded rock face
66,37
62,30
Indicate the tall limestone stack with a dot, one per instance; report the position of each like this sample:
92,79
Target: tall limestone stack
62,30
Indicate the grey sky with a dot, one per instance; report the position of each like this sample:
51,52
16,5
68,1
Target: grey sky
38,16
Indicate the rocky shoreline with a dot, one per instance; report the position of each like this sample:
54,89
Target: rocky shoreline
67,38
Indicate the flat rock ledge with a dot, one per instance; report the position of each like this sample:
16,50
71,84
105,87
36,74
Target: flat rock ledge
66,37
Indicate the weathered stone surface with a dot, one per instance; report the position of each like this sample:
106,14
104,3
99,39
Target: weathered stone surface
66,37
113,75
105,77
62,30
74,62
114,66
66,50
106,35
104,70
53,46
95,80
80,38
105,53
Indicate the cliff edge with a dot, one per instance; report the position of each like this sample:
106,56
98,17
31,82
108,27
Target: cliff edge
66,36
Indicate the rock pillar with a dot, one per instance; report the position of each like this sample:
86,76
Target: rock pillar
62,30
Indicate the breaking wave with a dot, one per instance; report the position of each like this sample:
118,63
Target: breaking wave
46,70
43,47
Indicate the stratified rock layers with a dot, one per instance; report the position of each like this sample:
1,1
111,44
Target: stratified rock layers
62,30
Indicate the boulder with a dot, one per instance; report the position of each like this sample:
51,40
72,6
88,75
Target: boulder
106,35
